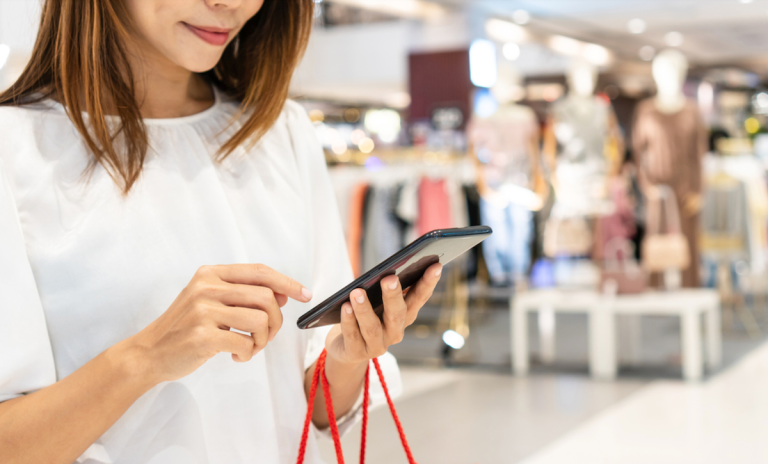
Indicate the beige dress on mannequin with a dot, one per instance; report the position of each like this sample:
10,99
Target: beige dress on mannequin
668,149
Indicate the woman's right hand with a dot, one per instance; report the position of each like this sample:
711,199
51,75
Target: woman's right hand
246,297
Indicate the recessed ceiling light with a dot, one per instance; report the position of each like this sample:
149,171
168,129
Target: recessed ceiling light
746,1
505,31
511,51
521,17
636,26
647,53
597,54
673,39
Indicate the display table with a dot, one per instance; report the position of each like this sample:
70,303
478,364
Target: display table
691,305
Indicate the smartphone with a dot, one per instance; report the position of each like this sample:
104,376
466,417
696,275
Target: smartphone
409,264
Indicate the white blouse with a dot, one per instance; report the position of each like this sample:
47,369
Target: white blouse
83,267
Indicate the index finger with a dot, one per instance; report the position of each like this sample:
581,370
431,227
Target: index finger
265,276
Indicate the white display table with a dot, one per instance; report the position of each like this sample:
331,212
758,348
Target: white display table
689,304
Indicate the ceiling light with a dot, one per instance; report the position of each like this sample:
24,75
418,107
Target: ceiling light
647,52
521,17
565,45
745,1
594,53
673,39
482,63
636,26
504,31
398,100
403,8
511,51
5,50
597,54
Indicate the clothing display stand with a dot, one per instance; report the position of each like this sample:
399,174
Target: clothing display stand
602,309
732,227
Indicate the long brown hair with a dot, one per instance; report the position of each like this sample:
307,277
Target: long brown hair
79,59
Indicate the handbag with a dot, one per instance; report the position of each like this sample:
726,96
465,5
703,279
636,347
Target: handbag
567,237
574,274
621,269
666,251
319,376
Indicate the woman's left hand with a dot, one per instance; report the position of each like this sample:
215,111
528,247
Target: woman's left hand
362,336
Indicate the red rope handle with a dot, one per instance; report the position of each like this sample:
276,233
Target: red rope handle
407,448
366,400
316,379
331,414
310,406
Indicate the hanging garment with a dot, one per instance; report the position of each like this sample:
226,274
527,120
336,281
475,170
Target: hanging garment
407,209
668,150
382,231
724,215
355,227
620,224
503,143
473,215
434,206
507,251
581,127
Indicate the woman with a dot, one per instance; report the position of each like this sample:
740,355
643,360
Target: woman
148,143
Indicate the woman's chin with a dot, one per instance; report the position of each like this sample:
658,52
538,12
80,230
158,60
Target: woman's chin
199,63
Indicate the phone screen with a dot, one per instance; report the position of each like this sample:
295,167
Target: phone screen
409,264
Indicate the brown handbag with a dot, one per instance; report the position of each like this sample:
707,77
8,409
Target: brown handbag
567,237
664,251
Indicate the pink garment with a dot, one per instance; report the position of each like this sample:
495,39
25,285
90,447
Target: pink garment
619,224
434,206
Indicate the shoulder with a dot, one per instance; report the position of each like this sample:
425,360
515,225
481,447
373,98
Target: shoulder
21,125
295,114
301,129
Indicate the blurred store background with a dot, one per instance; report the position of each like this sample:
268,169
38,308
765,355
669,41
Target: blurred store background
619,149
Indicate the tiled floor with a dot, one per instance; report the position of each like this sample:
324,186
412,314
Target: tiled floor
722,421
469,417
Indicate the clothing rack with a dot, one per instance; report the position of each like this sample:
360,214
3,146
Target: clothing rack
384,206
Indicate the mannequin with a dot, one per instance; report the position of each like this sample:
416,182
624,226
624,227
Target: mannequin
582,144
505,148
669,141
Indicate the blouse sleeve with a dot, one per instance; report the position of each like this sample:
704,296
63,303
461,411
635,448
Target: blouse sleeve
331,269
26,359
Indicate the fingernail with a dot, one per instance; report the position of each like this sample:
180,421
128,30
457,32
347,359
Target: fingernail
392,284
359,296
347,308
439,271
307,294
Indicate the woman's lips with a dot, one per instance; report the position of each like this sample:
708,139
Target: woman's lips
212,35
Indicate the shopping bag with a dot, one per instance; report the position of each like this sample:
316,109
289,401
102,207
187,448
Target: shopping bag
319,376
663,251
567,237
622,269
